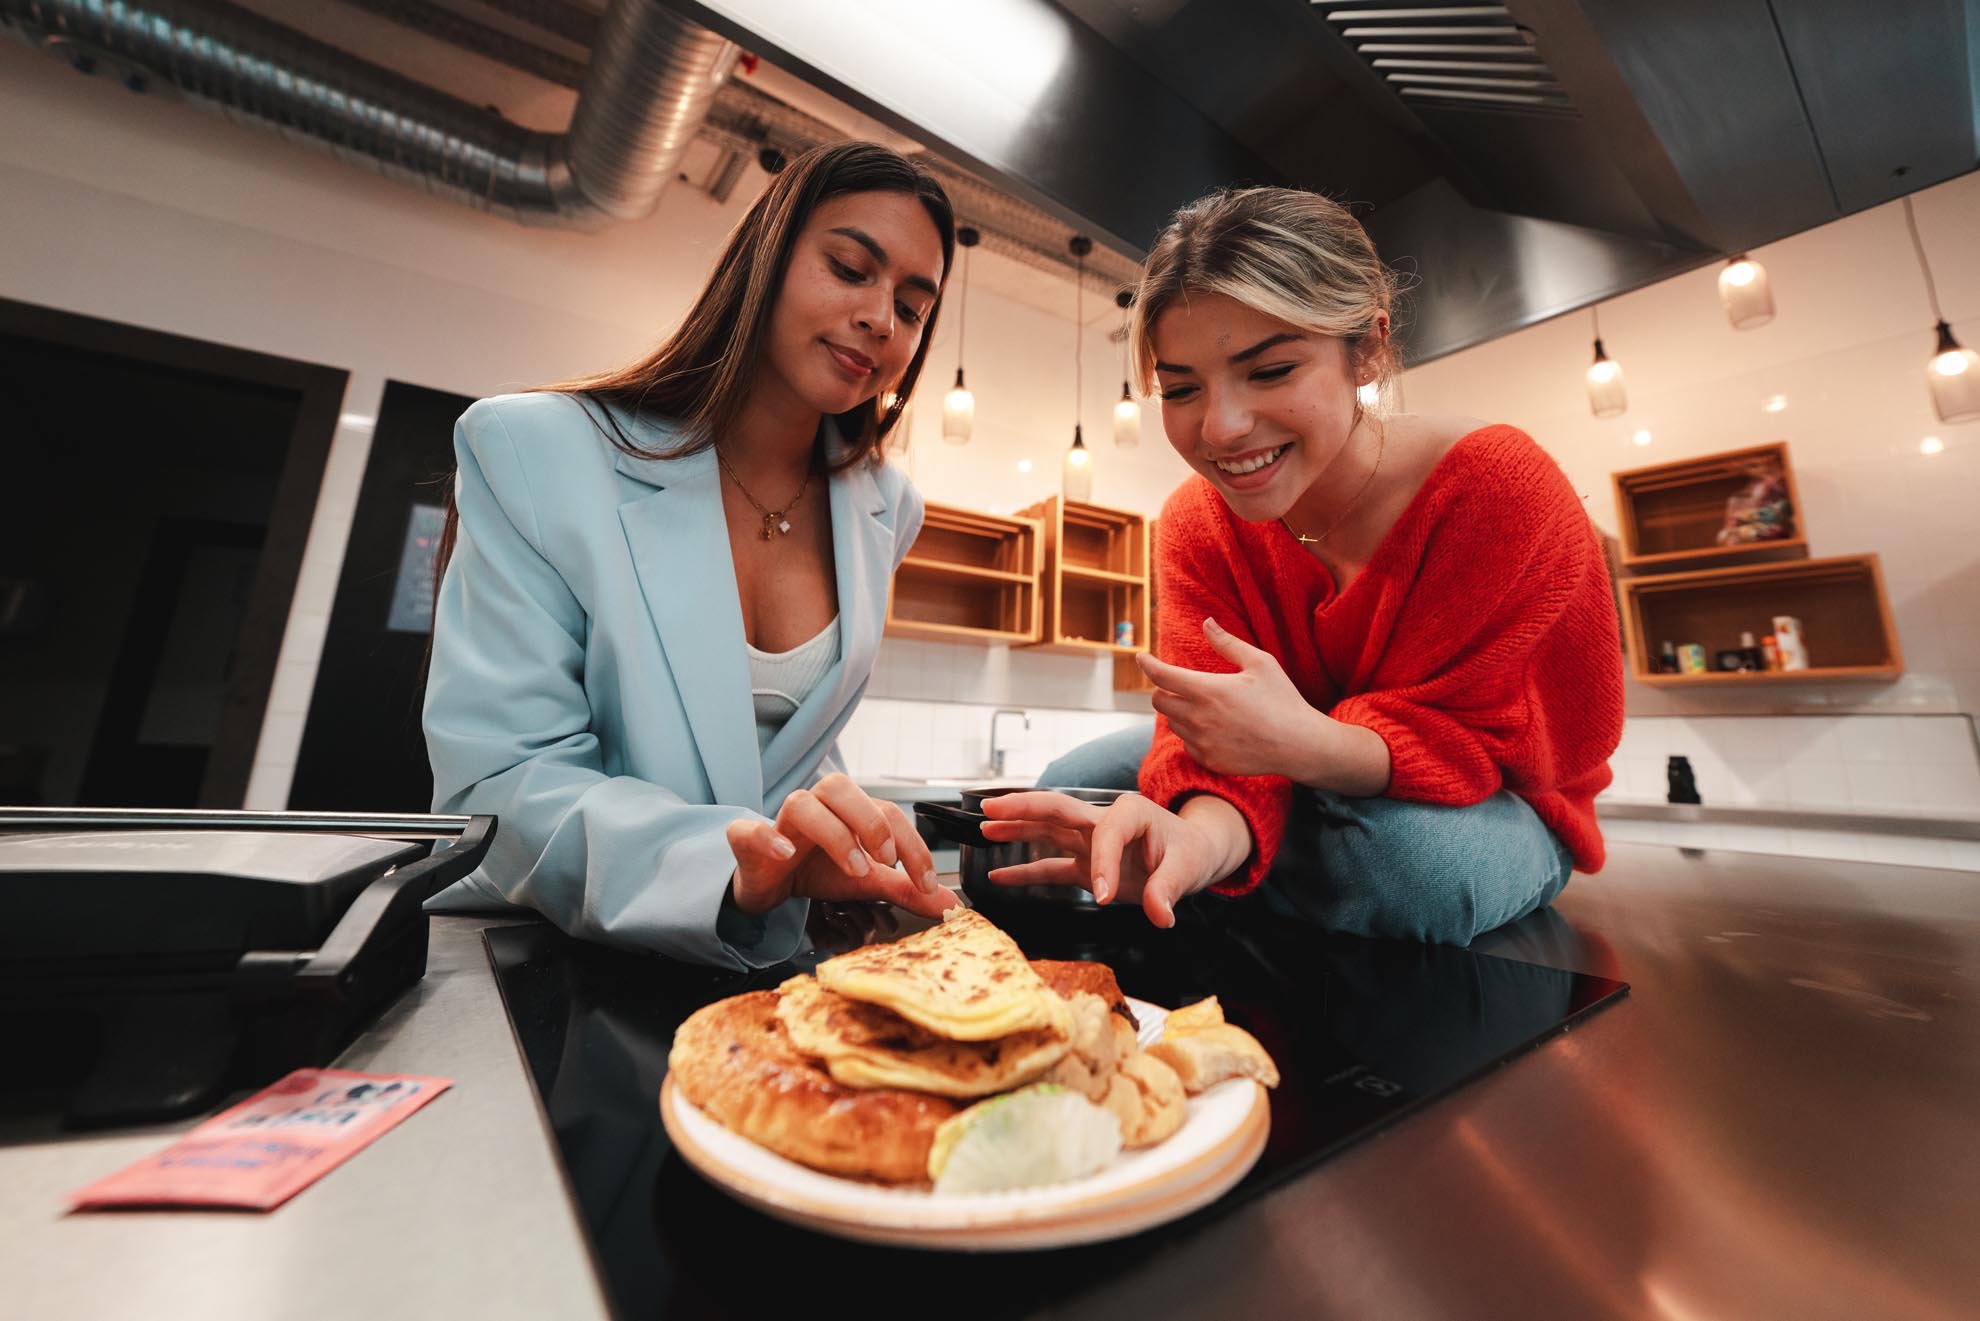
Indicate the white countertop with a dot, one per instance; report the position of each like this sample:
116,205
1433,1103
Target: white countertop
460,1211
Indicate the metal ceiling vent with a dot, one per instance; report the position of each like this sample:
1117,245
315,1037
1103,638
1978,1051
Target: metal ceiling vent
1450,55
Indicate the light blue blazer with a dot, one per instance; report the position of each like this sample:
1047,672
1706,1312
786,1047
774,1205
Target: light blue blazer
589,683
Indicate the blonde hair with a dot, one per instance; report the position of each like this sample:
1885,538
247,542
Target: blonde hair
1284,252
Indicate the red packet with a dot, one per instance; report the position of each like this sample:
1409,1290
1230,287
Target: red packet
271,1146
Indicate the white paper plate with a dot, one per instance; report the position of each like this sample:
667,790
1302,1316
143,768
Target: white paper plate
1219,1142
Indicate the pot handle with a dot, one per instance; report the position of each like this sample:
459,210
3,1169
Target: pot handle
953,823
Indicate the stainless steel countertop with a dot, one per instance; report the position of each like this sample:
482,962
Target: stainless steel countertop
459,1211
1781,1120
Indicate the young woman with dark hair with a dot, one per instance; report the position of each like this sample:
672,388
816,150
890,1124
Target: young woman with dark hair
663,588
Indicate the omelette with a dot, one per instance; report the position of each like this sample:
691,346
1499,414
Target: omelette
964,980
864,1045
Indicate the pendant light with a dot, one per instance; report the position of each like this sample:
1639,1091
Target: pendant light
1954,372
1605,380
959,405
1079,459
1745,293
1127,413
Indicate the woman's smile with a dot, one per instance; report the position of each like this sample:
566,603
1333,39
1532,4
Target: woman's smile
1252,469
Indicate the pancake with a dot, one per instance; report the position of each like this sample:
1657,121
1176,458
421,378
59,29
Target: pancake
964,980
864,1045
1071,977
733,1061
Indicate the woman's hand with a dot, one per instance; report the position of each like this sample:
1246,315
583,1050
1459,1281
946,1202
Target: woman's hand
1130,849
1255,722
833,842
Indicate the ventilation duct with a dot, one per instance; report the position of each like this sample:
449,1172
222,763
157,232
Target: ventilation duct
647,88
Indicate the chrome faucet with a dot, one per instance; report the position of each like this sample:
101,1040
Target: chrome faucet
997,754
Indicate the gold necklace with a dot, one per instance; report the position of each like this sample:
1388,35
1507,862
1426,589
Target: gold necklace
1381,445
775,521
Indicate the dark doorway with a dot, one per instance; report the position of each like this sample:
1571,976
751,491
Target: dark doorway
156,495
363,749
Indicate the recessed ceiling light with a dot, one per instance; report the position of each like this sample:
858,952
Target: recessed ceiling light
1774,403
1024,465
1931,445
1641,438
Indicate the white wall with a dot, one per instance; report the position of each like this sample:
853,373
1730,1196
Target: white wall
1847,349
155,213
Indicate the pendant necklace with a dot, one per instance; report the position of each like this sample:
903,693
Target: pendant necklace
776,522
1381,445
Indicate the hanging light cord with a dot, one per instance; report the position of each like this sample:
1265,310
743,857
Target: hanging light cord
1079,338
1931,291
962,328
1595,316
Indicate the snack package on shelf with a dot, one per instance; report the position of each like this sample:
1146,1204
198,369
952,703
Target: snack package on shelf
1759,511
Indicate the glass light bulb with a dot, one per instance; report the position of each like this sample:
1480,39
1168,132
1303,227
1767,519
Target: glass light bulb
1127,424
958,415
1606,396
1739,273
1078,458
1745,294
1954,381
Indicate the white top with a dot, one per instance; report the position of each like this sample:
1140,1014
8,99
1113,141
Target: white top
780,681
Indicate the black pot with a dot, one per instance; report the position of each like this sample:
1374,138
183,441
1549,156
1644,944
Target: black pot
963,826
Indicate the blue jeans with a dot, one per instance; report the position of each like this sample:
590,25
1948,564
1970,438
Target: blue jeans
1378,866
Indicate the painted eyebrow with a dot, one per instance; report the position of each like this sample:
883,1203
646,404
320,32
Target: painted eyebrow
866,240
1252,352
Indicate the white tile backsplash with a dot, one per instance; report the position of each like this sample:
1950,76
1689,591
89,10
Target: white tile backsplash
1860,762
910,738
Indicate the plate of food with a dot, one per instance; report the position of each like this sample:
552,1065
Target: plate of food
944,1091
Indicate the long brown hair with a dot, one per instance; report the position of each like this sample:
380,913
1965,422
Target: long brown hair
698,378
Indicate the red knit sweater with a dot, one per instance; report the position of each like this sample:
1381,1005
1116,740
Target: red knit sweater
1480,642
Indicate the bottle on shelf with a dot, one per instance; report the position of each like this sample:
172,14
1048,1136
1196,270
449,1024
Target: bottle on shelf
1787,637
1667,659
1770,654
1750,653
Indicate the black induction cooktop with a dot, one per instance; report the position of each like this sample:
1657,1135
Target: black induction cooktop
1363,1031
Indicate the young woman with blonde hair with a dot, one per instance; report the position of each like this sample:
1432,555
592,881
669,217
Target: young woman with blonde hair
663,588
1389,681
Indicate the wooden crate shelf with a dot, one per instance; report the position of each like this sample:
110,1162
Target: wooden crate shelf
969,577
1095,575
1128,677
1844,612
1669,515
